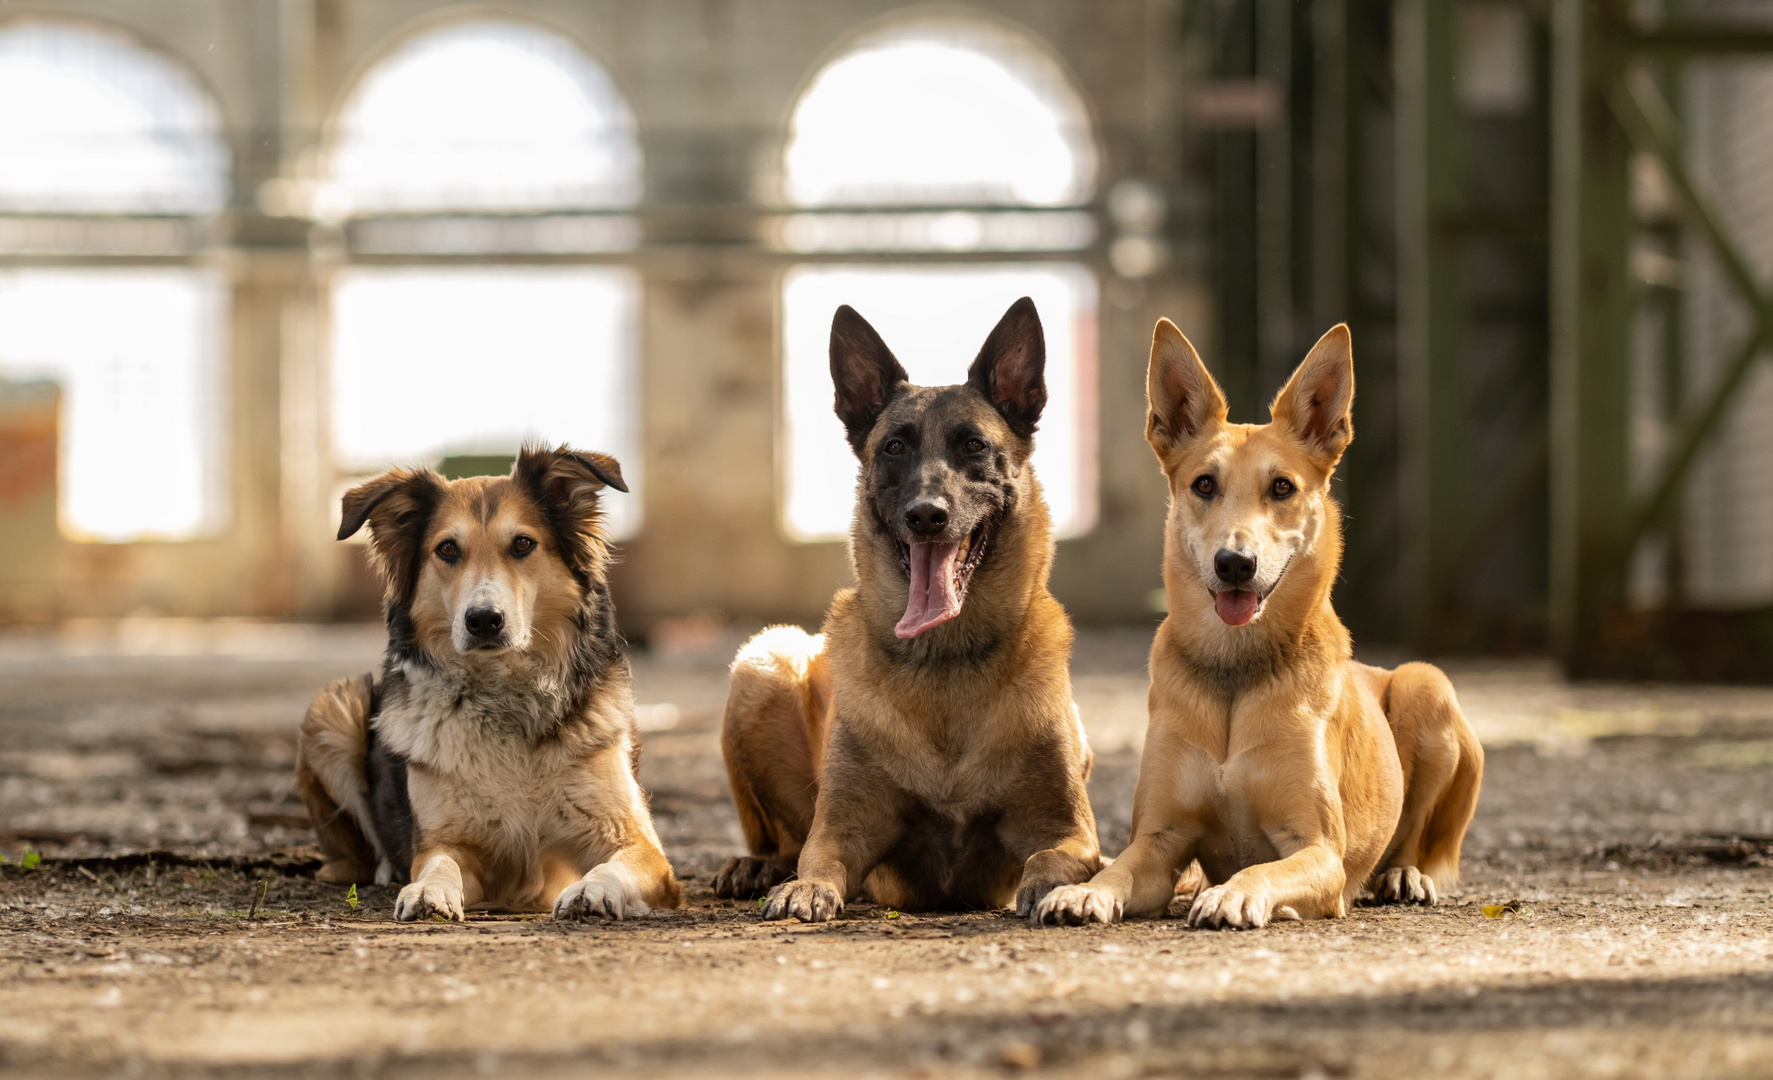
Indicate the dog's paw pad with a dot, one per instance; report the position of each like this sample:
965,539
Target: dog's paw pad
1223,907
747,878
1075,905
428,899
606,892
808,901
1406,885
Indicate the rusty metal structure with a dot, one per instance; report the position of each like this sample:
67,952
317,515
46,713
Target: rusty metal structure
1510,201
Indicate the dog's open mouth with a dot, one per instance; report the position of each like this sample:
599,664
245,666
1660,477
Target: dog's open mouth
1238,606
939,572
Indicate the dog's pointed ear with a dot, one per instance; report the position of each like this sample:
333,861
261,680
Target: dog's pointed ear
1010,369
865,372
1317,404
565,483
397,507
1181,398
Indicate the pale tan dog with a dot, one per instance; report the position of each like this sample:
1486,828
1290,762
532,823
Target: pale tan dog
1296,778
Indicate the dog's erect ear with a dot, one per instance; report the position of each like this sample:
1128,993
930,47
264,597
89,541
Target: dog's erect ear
1317,404
565,483
865,372
397,507
1011,369
1181,398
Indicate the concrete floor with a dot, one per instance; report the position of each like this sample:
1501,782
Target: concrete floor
1633,821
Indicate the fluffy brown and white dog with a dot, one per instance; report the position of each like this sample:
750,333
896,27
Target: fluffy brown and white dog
493,763
924,750
1295,778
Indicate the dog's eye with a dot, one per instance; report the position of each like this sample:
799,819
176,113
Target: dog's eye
448,551
975,446
894,447
1205,486
522,546
1281,488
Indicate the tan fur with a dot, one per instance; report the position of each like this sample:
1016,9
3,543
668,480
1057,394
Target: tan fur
329,758
967,739
1297,778
520,771
943,770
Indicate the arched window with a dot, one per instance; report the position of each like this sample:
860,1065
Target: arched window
91,122
94,128
486,115
965,141
480,138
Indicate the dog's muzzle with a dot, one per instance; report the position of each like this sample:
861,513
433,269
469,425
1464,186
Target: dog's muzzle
485,626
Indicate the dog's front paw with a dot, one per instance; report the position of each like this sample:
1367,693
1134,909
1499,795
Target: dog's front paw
808,901
424,899
1405,885
1227,907
747,878
1075,905
608,891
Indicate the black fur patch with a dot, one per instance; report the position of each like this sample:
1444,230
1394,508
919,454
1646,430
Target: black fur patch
389,807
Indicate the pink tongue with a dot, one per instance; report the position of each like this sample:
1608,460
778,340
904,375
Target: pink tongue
1236,606
932,601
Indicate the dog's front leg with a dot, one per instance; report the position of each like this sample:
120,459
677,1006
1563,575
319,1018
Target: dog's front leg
1139,884
856,820
625,870
1056,840
1307,884
634,882
444,885
1170,808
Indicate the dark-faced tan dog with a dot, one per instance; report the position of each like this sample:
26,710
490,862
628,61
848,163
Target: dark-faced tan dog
924,750
1297,778
493,764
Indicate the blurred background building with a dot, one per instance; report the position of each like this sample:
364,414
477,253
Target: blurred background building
252,251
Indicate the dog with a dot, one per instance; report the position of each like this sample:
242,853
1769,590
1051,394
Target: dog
494,763
1284,777
923,750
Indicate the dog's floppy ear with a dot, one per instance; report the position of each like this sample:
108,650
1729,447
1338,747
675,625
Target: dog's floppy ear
865,372
1317,404
1010,369
1181,398
397,507
565,483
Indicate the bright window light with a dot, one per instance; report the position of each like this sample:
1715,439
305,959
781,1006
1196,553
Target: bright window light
929,119
935,320
91,122
139,358
432,362
486,115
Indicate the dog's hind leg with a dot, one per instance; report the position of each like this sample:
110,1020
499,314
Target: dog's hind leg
773,739
331,779
1443,766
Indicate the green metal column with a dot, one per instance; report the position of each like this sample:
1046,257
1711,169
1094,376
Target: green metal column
1590,323
1431,321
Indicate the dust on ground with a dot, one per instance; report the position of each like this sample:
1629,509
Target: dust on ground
171,926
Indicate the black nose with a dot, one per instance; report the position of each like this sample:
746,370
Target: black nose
926,517
485,623
1233,567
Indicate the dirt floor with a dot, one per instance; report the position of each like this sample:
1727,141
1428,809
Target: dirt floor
171,927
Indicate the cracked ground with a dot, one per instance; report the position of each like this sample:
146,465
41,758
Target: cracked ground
169,925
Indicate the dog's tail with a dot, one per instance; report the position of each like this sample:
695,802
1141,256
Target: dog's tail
331,776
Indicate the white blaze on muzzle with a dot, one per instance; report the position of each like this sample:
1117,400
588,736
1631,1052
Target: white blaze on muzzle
490,598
